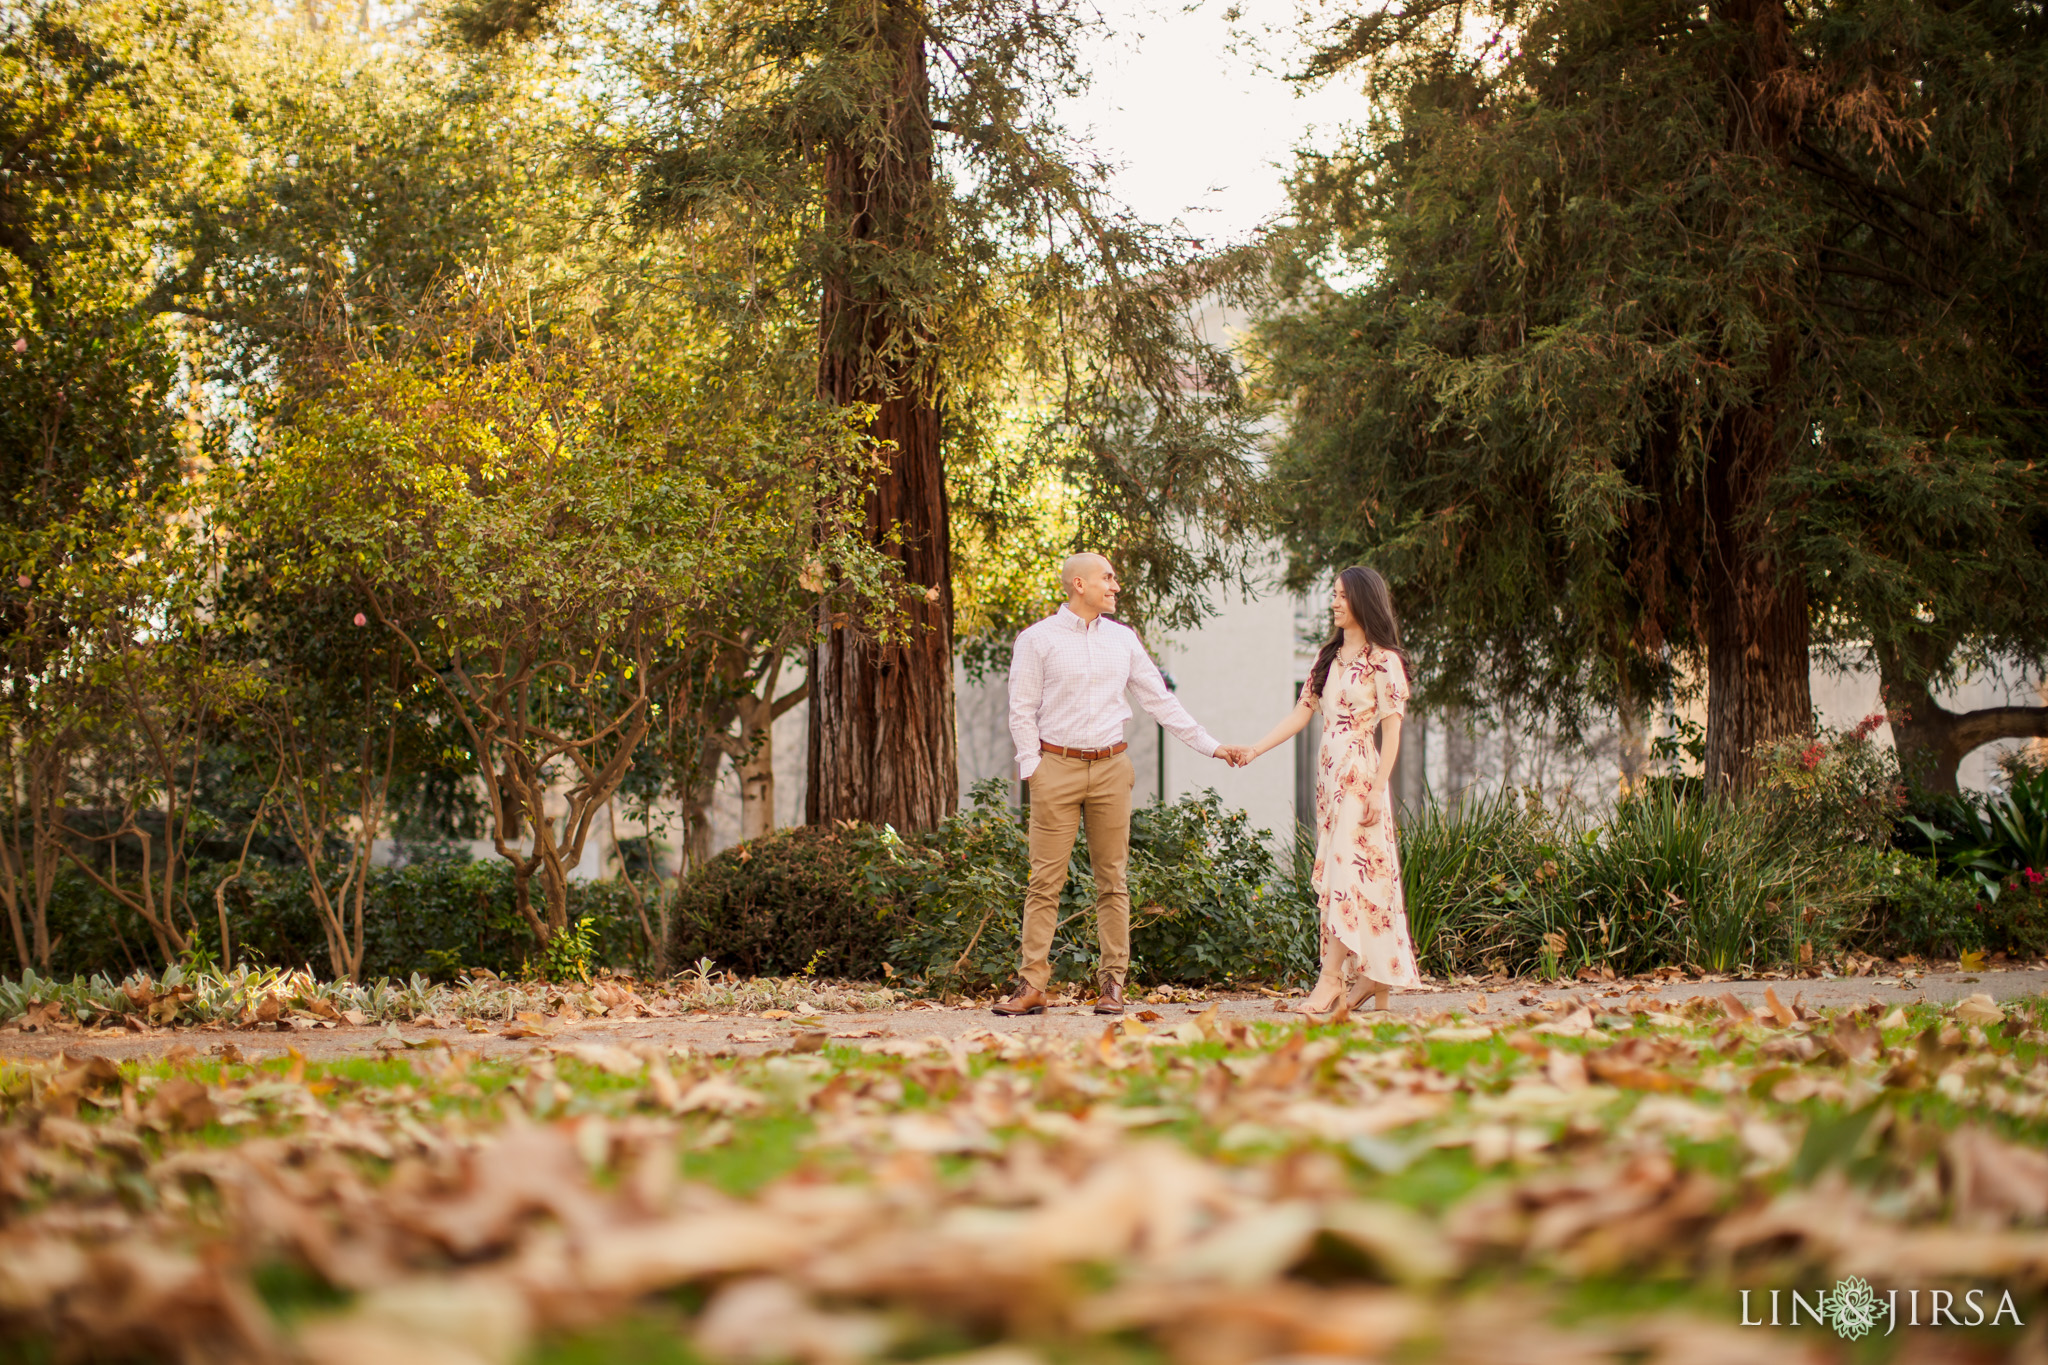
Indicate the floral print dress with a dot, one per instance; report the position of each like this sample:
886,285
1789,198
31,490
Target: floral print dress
1357,873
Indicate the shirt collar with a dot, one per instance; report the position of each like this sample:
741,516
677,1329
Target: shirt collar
1071,619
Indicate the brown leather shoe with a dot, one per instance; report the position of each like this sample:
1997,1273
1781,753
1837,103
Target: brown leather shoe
1024,998
1111,998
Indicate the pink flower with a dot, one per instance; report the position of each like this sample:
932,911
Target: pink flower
362,620
21,345
24,580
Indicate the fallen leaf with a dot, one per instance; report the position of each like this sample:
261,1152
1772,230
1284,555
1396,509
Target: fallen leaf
1979,1009
1994,1180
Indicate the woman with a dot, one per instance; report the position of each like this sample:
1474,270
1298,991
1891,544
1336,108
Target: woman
1360,685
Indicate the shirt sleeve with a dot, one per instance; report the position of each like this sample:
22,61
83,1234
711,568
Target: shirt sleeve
1393,685
1027,688
1150,688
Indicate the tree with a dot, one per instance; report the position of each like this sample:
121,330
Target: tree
1651,294
537,518
123,698
908,194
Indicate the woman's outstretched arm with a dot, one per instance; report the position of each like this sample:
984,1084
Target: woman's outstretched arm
1290,725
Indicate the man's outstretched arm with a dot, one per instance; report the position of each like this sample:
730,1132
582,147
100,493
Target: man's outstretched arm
1149,686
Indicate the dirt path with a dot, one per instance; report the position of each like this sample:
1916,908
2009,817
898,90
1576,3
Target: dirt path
745,1033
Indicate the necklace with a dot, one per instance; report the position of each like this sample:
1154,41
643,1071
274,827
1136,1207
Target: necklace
1354,656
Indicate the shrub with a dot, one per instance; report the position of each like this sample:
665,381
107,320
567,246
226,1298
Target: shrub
1480,883
1838,788
1499,884
1206,903
946,906
2017,922
1985,840
1672,878
433,918
1921,912
822,901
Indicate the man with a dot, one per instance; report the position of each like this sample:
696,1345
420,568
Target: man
1068,675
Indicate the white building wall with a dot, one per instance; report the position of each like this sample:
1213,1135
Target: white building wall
1238,674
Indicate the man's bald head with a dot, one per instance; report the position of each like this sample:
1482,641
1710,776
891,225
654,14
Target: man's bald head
1091,585
1084,565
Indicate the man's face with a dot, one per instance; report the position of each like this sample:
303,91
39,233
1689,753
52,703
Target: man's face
1096,589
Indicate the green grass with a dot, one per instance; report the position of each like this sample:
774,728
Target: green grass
760,1150
641,1339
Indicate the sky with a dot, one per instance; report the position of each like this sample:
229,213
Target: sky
1202,132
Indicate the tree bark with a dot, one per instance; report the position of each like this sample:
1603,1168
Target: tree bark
882,747
1759,683
1758,633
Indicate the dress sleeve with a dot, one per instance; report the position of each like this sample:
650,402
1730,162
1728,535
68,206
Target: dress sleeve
1393,685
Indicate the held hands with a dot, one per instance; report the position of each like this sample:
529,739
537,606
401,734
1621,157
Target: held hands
1236,755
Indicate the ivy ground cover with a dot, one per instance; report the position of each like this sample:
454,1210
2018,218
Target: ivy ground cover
1632,1181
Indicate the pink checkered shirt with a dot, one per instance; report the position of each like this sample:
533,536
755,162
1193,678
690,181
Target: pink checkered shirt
1067,684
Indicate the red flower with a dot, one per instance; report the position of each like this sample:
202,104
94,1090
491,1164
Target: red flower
1809,758
1868,726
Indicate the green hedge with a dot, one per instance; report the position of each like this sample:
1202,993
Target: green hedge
1500,883
945,907
816,900
435,918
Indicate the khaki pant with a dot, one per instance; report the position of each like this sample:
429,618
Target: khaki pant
1064,791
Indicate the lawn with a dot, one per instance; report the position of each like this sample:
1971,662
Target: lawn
1574,1184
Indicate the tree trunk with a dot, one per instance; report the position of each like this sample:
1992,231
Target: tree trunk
882,747
1757,630
1759,686
1933,741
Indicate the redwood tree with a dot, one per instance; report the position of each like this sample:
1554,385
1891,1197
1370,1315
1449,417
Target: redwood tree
995,317
1687,340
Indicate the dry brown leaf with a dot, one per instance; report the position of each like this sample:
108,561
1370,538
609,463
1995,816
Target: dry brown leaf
1979,1009
1565,1070
476,1318
1776,1010
180,1103
1992,1180
763,1320
527,1024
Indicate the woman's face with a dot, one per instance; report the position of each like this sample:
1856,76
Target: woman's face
1340,608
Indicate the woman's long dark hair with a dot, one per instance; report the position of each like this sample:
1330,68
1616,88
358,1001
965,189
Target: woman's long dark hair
1372,606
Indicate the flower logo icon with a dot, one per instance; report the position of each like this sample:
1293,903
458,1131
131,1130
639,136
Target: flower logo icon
1852,1308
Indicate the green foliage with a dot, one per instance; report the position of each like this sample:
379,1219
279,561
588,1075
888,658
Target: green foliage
1474,877
1205,907
1987,841
1837,789
1626,299
1677,879
1922,912
987,268
945,906
1667,878
800,899
435,919
567,956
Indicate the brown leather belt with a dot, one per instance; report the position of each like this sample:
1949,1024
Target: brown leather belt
1086,755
